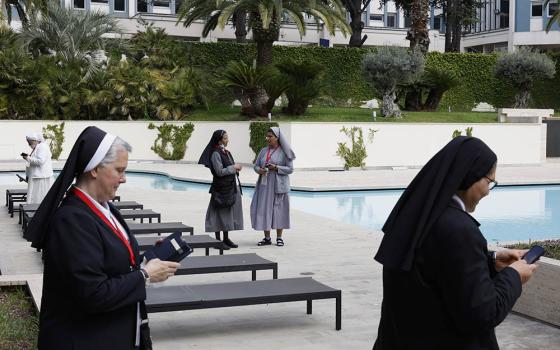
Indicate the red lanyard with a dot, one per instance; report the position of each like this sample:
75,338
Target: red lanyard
269,155
114,228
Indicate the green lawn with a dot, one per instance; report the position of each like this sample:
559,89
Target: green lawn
551,247
18,319
332,114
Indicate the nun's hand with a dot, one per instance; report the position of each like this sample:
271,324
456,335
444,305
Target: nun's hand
506,257
238,167
262,171
159,270
271,167
525,270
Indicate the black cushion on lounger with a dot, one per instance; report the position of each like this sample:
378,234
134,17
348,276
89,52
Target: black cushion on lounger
158,227
176,298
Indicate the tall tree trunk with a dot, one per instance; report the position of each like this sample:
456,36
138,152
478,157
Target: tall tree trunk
240,23
388,106
264,37
449,20
433,99
356,23
264,53
457,28
418,31
522,98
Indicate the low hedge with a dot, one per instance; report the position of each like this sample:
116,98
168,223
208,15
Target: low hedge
343,80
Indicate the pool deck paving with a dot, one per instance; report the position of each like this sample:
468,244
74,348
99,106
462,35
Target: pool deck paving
335,253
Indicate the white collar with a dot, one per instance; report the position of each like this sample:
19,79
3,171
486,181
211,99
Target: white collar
103,207
459,201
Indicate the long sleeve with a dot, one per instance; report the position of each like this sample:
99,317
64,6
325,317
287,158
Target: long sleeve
219,167
259,161
88,266
39,157
476,301
286,169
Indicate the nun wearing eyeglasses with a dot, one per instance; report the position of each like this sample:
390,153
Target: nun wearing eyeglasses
270,206
38,170
442,288
94,283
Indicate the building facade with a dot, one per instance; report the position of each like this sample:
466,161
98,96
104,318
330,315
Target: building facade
501,25
504,25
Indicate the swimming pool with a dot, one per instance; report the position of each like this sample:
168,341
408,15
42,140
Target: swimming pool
511,213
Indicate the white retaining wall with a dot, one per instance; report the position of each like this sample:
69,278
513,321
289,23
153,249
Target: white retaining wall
315,144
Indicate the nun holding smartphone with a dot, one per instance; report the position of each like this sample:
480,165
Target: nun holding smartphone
38,170
442,288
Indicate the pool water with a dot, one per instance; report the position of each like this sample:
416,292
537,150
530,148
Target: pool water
511,213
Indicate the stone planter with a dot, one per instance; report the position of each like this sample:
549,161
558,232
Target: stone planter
355,168
518,115
541,295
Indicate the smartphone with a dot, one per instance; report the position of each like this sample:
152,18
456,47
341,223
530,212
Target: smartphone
534,254
23,154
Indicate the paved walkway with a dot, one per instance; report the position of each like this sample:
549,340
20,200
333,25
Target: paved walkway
338,254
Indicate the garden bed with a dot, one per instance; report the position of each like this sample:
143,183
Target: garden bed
18,319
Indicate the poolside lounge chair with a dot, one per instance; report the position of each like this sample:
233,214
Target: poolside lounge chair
140,214
207,296
227,263
14,195
158,227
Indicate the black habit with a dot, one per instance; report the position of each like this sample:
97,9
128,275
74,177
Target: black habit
93,291
440,286
454,298
90,294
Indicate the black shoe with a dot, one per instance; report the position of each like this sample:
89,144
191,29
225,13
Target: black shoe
229,243
265,241
279,242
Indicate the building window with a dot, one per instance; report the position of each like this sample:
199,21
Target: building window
536,9
552,8
120,5
142,6
391,20
80,4
373,17
437,23
161,3
101,1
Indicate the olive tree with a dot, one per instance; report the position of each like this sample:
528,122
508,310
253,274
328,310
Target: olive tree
521,68
386,69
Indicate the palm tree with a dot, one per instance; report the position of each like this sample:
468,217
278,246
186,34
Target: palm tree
71,36
265,18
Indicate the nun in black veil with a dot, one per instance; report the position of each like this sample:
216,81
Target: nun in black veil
225,210
442,288
94,281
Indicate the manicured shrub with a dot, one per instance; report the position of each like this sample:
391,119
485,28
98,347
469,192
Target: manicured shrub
521,69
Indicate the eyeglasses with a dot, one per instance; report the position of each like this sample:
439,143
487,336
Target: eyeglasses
491,183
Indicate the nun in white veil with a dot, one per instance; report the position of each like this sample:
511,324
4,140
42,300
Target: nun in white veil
38,169
270,206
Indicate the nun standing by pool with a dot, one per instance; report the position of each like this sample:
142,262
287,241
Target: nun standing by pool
225,210
270,207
